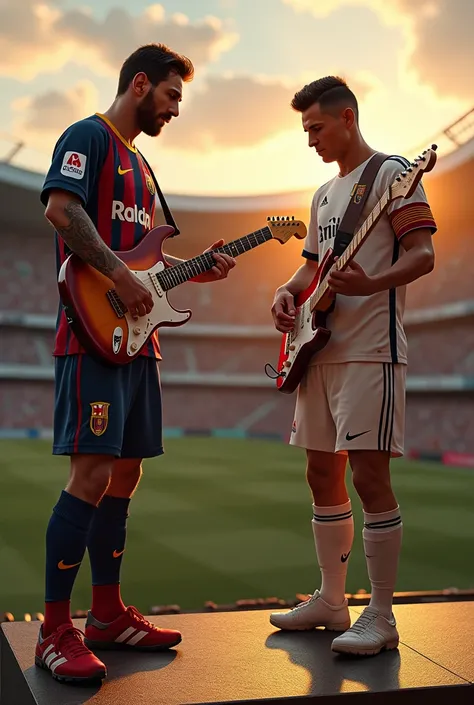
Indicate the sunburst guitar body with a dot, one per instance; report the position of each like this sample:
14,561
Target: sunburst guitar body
99,319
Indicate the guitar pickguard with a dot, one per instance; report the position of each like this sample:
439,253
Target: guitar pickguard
162,313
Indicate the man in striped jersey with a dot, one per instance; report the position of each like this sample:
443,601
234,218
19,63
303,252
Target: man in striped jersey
351,402
100,197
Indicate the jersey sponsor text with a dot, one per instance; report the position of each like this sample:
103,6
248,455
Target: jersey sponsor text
130,214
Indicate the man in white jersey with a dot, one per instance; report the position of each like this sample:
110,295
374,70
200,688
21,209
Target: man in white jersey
351,402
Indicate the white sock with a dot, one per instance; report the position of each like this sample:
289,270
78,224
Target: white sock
382,536
333,529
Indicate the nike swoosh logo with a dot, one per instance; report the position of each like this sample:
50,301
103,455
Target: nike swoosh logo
66,566
117,554
123,171
356,435
345,556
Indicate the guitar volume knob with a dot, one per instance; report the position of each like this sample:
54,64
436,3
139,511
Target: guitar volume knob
136,330
292,347
133,347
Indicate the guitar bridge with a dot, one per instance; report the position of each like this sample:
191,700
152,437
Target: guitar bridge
115,302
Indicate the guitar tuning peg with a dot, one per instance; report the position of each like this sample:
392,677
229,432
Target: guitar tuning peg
292,217
399,178
268,218
434,147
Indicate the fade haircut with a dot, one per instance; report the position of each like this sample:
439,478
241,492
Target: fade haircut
156,61
330,92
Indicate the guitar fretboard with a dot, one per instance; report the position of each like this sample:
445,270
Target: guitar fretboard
183,272
353,246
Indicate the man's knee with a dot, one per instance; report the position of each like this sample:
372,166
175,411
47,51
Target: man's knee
90,476
325,473
126,475
371,478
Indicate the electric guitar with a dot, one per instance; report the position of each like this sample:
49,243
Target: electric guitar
310,333
102,323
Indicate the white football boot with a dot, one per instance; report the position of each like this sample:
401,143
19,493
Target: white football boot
313,613
369,635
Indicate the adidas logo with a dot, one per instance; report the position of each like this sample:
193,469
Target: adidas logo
324,202
52,659
131,636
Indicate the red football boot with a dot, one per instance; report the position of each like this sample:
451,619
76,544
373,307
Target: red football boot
64,654
129,631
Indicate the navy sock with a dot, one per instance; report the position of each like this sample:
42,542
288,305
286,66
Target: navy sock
106,541
66,540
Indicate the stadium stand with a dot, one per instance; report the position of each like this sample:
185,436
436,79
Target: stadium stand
213,369
214,382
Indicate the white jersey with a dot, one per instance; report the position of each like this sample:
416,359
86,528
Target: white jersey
367,328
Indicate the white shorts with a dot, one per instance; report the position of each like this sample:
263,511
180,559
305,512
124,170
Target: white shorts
351,406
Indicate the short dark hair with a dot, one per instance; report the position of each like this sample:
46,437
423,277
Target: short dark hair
329,92
156,61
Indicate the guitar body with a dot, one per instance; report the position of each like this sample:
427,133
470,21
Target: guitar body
95,314
310,334
99,319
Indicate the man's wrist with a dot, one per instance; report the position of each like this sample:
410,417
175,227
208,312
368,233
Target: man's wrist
120,272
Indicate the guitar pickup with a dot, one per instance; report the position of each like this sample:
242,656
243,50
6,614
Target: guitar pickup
115,302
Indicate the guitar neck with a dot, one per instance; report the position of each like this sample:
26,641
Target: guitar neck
183,272
354,245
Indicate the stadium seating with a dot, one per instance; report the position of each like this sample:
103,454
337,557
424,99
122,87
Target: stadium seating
435,420
443,348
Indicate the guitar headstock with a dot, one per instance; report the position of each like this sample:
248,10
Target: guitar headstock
406,182
285,227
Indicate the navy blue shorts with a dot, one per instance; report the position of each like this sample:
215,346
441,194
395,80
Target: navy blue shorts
107,410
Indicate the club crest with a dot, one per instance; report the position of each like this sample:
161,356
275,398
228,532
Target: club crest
99,417
359,190
150,183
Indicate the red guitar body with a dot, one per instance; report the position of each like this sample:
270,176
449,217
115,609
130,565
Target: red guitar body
310,334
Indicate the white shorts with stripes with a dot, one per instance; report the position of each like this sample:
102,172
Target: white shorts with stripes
351,406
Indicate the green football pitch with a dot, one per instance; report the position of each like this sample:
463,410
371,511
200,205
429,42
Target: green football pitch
223,520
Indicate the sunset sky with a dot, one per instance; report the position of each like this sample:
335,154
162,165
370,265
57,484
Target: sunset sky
411,62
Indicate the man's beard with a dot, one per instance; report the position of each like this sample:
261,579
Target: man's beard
146,117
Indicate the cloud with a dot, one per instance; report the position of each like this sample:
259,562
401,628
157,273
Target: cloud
443,55
389,9
49,113
438,33
237,111
225,112
55,37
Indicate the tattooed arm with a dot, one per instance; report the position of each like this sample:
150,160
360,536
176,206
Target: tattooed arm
65,212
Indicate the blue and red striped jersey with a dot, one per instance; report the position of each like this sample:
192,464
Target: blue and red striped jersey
115,184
